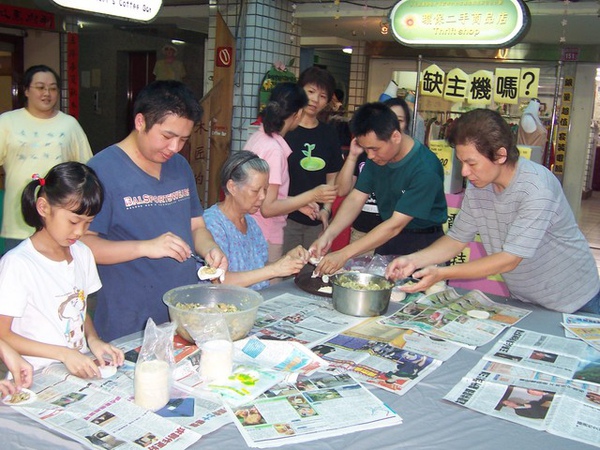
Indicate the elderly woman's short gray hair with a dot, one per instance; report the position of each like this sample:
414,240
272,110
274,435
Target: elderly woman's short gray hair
238,167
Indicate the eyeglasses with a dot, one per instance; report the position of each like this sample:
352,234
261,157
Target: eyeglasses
41,88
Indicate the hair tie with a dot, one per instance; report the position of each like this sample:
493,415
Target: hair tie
41,180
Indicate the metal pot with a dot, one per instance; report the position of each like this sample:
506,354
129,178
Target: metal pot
369,297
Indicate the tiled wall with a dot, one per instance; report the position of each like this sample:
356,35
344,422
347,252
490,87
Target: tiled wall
358,77
265,34
70,25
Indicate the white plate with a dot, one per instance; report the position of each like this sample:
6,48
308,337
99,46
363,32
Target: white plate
478,314
31,397
107,371
209,273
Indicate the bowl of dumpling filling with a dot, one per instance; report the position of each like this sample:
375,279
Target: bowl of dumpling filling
361,294
198,308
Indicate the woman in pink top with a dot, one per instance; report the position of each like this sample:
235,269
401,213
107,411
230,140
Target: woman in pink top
282,113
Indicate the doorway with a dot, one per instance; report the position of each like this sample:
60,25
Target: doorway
11,75
141,65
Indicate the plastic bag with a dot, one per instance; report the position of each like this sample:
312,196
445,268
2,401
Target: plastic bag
216,348
375,264
153,371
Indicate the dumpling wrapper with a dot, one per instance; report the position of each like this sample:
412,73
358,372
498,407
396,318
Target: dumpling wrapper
107,371
478,314
315,260
209,273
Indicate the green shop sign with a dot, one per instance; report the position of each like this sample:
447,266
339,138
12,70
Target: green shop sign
465,23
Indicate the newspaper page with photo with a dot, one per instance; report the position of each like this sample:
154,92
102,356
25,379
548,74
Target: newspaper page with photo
98,417
290,317
582,327
554,355
471,319
257,366
575,319
311,409
387,357
533,399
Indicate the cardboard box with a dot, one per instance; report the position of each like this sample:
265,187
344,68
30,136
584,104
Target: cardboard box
453,180
531,152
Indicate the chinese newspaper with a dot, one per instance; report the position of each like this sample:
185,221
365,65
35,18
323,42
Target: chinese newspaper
311,409
470,319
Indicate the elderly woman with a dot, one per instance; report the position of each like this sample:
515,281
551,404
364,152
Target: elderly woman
245,180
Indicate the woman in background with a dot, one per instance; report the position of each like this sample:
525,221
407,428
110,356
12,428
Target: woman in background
32,140
315,160
282,113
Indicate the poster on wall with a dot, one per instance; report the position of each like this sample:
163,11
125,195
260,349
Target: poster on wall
26,17
504,85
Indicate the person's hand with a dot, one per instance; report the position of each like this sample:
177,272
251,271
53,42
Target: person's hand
20,369
311,210
167,245
320,247
288,265
324,217
216,258
355,149
78,364
299,252
399,268
427,277
7,388
101,350
331,263
324,193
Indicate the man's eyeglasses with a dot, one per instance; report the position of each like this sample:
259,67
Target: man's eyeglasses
41,88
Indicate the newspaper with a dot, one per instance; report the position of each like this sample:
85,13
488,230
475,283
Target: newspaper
257,366
404,339
310,409
533,399
99,417
309,321
387,357
574,319
553,355
585,328
285,356
470,319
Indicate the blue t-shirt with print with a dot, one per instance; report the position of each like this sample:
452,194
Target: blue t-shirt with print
137,207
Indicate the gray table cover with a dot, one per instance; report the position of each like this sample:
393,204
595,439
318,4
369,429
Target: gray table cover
429,421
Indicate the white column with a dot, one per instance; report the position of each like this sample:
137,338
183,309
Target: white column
579,131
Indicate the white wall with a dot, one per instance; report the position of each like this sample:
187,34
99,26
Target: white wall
579,132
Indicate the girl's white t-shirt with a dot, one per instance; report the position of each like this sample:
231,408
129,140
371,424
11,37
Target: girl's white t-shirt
48,299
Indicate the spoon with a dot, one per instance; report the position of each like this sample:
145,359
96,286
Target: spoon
197,258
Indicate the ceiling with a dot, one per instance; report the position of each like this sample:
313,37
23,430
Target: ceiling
325,24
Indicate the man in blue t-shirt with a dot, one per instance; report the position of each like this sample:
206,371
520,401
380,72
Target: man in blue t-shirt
151,220
408,181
